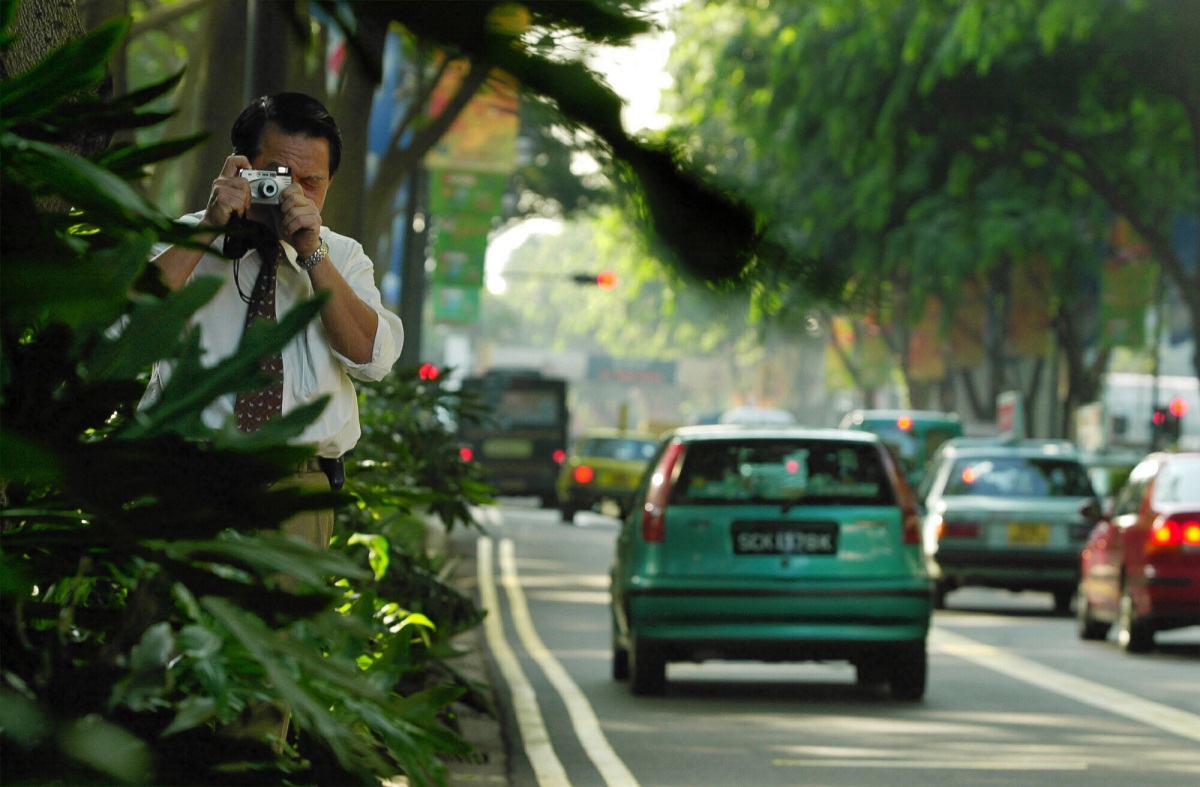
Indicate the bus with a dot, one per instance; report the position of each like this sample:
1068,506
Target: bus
522,439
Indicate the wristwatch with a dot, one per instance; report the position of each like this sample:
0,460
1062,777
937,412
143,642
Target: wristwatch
308,263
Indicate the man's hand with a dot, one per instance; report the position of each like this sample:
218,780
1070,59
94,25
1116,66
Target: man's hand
301,222
230,194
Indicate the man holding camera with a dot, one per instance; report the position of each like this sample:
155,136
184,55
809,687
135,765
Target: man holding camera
286,151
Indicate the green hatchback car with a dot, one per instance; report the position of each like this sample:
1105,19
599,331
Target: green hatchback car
771,544
913,435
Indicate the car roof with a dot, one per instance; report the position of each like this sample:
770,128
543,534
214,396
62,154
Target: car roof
614,432
992,446
858,416
758,432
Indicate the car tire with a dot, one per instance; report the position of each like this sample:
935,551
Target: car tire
909,672
1085,625
939,595
871,670
1133,635
620,659
1062,602
647,668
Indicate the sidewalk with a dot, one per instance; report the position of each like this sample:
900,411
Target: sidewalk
488,764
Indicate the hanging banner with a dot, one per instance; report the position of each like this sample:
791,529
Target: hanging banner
1029,319
1127,288
926,356
462,206
483,138
968,326
841,342
454,304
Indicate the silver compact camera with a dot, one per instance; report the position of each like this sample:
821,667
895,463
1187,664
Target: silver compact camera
266,185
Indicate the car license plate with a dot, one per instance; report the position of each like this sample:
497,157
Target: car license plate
1029,533
785,538
507,448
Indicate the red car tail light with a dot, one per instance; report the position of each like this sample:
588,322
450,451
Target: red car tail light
1176,531
584,474
911,525
958,529
659,491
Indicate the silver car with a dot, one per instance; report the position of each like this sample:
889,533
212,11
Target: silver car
1007,514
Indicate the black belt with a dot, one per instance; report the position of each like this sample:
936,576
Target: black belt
334,469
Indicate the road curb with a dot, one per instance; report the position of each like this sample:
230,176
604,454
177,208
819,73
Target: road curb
488,762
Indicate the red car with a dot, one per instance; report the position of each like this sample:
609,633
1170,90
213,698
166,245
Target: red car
1141,565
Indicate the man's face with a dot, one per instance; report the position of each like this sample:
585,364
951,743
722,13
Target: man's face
308,158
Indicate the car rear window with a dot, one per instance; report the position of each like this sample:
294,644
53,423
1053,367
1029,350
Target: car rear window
1015,476
1178,482
617,448
798,472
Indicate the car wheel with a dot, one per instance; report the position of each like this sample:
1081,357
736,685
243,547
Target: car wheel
909,672
1062,602
620,658
647,668
1133,635
939,595
1085,625
871,670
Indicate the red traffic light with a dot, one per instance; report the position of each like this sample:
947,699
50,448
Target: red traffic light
605,279
1178,407
428,372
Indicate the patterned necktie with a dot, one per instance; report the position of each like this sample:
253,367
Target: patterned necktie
253,408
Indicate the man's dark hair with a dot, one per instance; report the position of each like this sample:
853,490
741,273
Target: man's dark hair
291,113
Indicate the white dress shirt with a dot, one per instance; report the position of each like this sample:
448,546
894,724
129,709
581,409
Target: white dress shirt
311,368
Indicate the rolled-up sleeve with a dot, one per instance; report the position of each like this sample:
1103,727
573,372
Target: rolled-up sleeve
359,272
389,341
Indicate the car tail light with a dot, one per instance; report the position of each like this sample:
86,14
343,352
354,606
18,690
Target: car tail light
958,529
910,517
655,511
911,525
584,474
1176,531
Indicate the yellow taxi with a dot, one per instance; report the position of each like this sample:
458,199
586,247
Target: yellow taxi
603,464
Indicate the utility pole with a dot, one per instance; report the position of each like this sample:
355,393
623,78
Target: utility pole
1159,322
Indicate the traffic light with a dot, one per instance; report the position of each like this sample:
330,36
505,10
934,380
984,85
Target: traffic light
605,279
1176,410
1166,423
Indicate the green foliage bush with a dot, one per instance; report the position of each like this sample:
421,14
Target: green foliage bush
141,609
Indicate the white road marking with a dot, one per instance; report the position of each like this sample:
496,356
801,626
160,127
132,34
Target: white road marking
583,717
546,766
1046,764
1153,714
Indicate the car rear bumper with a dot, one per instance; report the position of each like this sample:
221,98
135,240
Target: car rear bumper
587,497
1012,569
1170,601
790,619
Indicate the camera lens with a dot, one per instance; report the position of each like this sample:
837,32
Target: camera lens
268,189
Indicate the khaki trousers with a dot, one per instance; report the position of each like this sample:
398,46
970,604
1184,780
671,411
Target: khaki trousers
315,527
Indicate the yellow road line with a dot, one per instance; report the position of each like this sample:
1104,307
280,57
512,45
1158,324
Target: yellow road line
546,766
583,717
